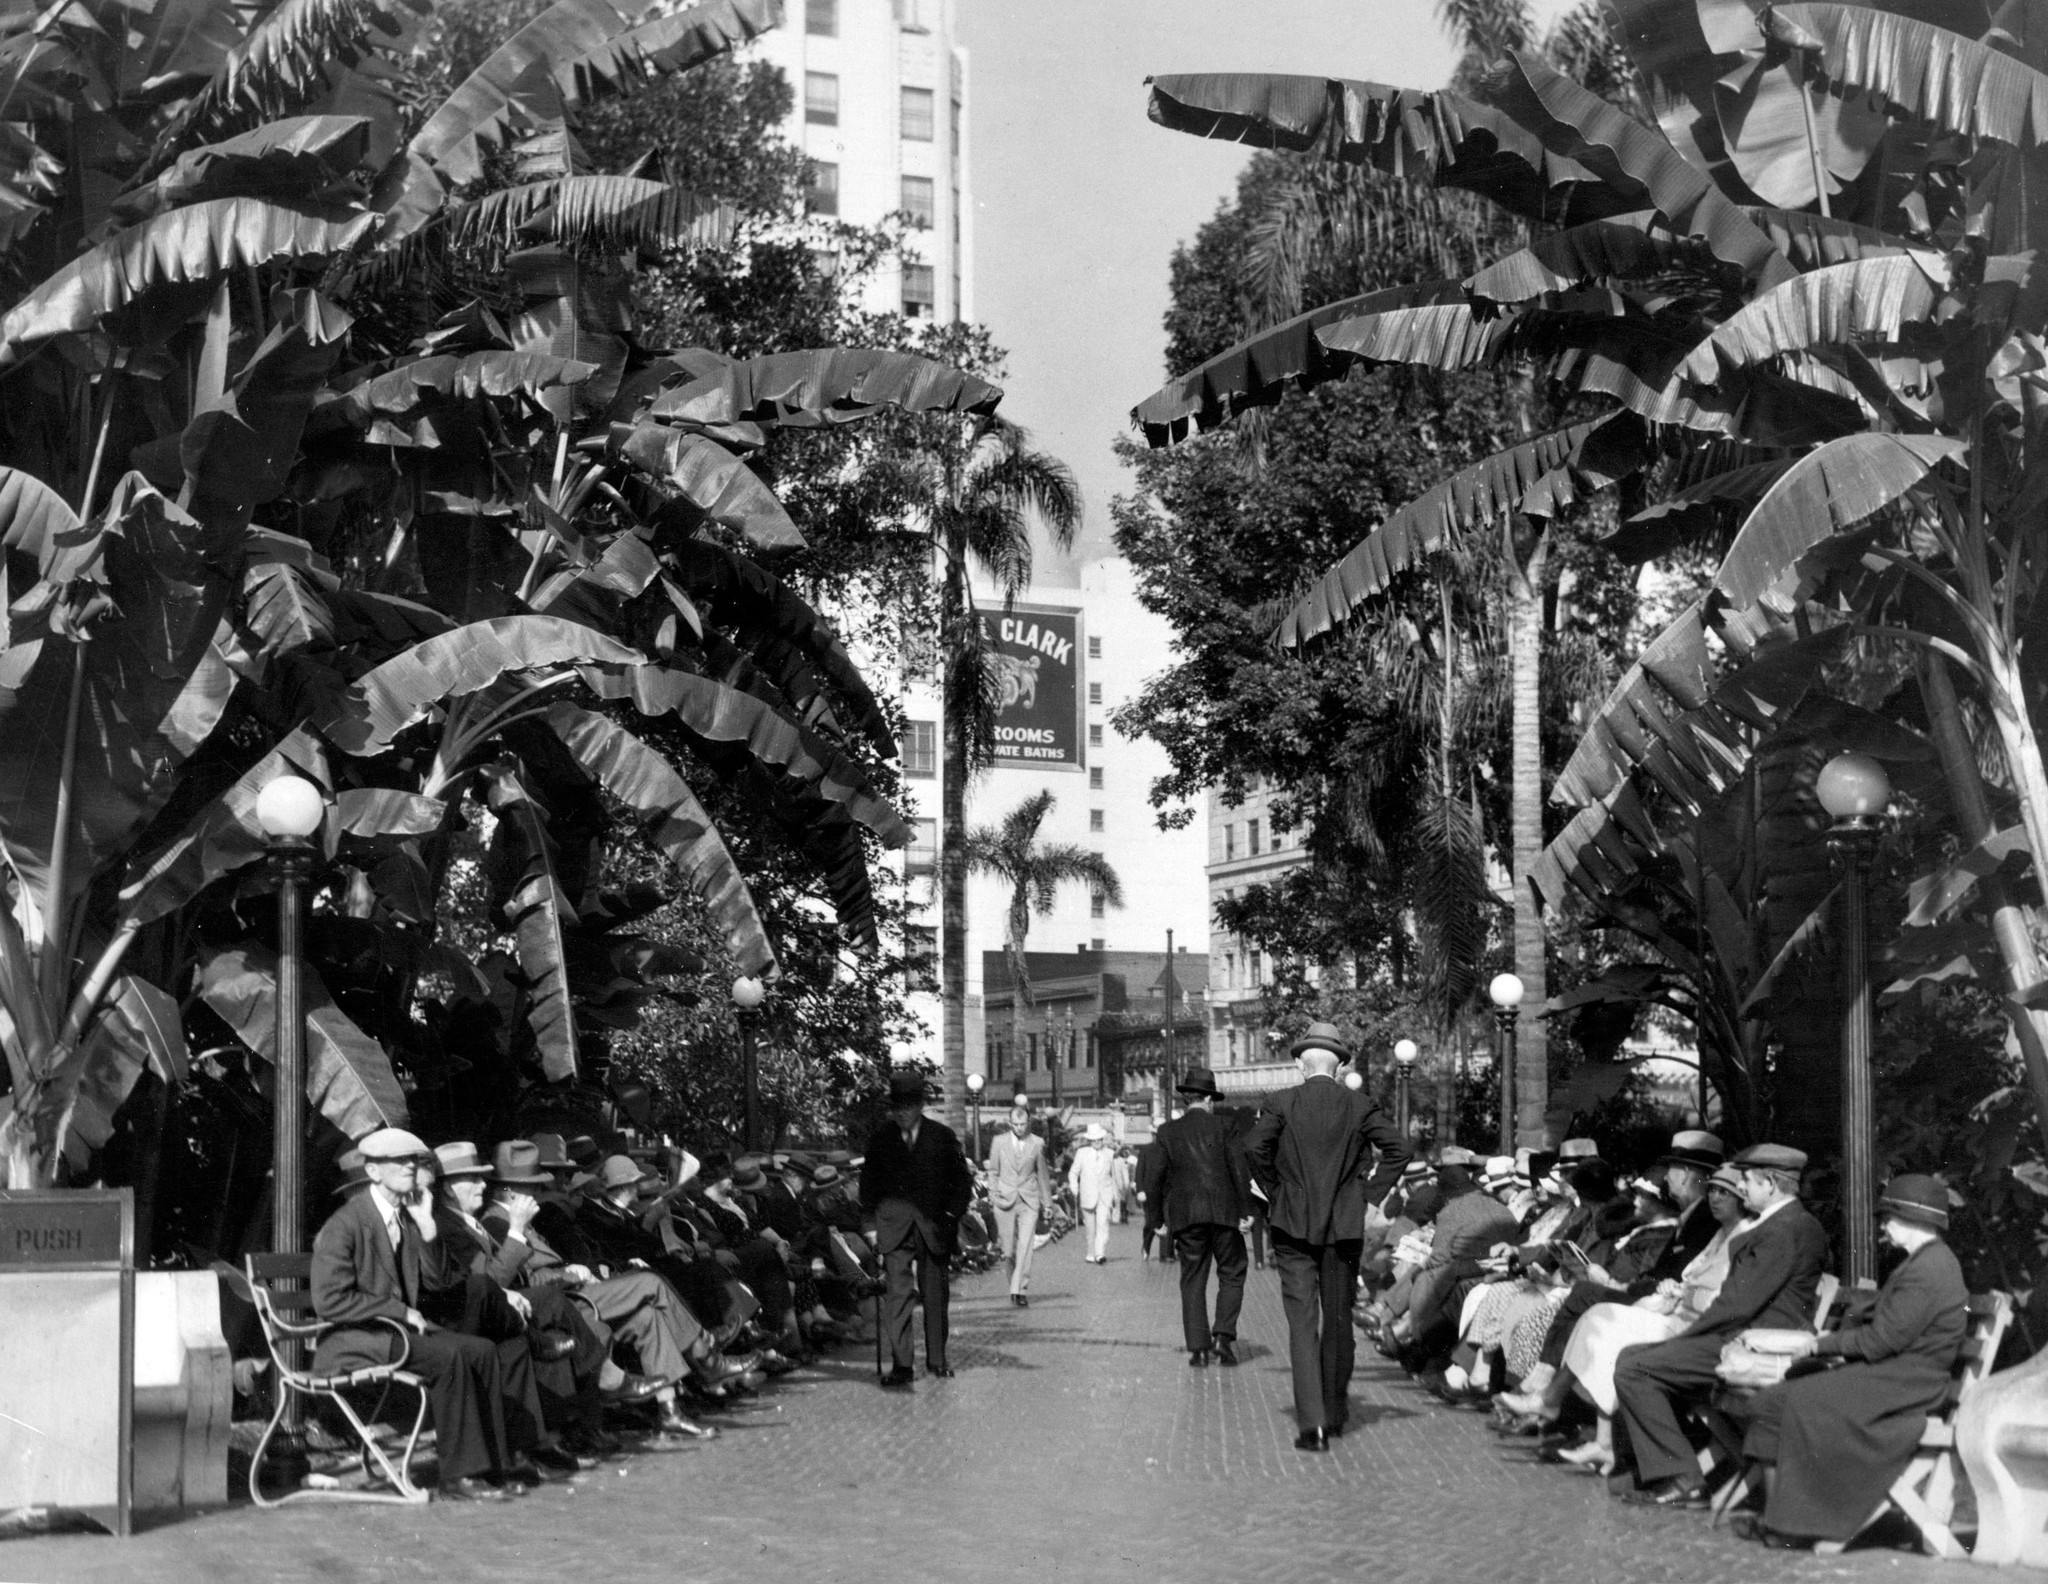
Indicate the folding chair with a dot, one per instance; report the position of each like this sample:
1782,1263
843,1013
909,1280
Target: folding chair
1723,1451
1926,1491
280,1285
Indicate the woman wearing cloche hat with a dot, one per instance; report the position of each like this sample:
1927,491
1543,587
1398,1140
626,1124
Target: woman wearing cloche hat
1832,1443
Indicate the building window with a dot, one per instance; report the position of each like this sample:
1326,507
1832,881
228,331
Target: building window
1095,778
1097,904
1095,819
919,201
1095,945
917,115
1229,970
918,291
921,748
1094,692
821,18
821,98
1094,648
1229,842
1251,837
1094,736
922,856
1073,1048
1254,969
822,196
1031,1053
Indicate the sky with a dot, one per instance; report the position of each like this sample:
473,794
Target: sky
1080,200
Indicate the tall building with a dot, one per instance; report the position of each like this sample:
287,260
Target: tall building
1244,850
881,113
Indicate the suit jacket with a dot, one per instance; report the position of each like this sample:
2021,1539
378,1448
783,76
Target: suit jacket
358,1276
1093,1176
1197,1174
544,1264
915,1192
1772,1278
1309,1151
1018,1172
493,1252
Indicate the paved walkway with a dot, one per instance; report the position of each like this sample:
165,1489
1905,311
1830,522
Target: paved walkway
1074,1436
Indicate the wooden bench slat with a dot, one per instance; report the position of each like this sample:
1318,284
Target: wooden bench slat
279,1267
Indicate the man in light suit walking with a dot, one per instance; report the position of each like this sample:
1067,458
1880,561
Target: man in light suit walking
1019,1186
1092,1181
1309,1151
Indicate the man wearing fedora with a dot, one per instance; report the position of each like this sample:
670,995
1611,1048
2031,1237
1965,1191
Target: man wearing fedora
916,1184
1020,1189
378,1263
1832,1442
1200,1191
1091,1179
1771,1282
1312,1150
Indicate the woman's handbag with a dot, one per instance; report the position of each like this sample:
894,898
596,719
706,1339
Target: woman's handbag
1760,1358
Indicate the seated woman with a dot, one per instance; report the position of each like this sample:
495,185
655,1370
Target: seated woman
1832,1442
1597,1340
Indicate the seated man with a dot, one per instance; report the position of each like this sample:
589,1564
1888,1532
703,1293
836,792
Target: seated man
1771,1282
621,1234
1831,1443
377,1263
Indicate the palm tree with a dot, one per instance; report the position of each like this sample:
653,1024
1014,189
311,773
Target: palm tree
985,488
1035,872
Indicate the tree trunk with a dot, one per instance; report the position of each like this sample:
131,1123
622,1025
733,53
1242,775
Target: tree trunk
953,886
1525,644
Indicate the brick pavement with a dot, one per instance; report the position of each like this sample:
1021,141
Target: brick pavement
1074,1436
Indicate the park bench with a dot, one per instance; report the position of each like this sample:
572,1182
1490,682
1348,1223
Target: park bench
280,1286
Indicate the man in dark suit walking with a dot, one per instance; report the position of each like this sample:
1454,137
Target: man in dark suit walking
1772,1280
916,1185
1196,1185
1309,1151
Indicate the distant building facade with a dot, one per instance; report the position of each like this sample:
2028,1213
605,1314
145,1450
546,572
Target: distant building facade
1244,851
1094,1027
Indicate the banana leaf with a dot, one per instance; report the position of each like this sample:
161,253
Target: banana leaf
297,157
671,817
349,1080
710,478
833,385
1932,897
1814,241
537,910
595,211
185,245
447,376
138,1028
1830,306
402,690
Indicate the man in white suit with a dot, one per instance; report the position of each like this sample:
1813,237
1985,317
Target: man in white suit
1019,1186
1093,1183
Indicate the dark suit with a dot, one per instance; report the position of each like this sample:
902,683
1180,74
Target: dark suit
360,1280
1309,1151
1771,1283
1197,1184
917,1193
495,1261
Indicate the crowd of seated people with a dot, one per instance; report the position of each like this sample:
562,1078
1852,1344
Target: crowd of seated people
1589,1309
564,1304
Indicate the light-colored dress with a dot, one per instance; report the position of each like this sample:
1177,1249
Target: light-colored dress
1605,1329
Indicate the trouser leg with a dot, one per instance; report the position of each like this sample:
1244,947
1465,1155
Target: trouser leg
1649,1384
525,1421
1019,1226
1197,1253
897,1269
465,1386
937,1301
1231,1265
1336,1280
1300,1296
1098,1230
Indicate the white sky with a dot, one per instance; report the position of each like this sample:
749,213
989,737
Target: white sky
1080,199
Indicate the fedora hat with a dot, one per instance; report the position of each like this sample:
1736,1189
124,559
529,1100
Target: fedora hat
1500,1170
1578,1149
583,1150
1694,1147
392,1144
906,1086
748,1177
459,1160
1727,1177
1322,1036
824,1176
619,1171
1655,1192
354,1173
516,1164
1916,1197
1417,1168
1456,1155
553,1154
1197,1081
1772,1157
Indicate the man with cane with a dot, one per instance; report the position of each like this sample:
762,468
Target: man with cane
916,1185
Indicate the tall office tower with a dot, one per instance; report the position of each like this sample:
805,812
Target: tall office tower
881,113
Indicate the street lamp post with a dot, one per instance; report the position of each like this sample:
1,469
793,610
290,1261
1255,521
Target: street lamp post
1855,791
1506,995
1405,1052
974,1087
747,994
289,811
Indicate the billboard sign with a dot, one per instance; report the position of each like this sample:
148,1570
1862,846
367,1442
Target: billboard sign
1036,652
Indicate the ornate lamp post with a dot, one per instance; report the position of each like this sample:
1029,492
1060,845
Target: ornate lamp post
1855,791
1405,1052
289,811
1354,1079
1506,995
975,1081
747,994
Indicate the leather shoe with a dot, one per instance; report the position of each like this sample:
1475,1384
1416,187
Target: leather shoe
1226,1350
1199,1359
561,1458
470,1489
548,1346
1750,1526
637,1389
674,1423
1312,1441
1020,1300
532,1476
899,1378
1670,1493
943,1371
